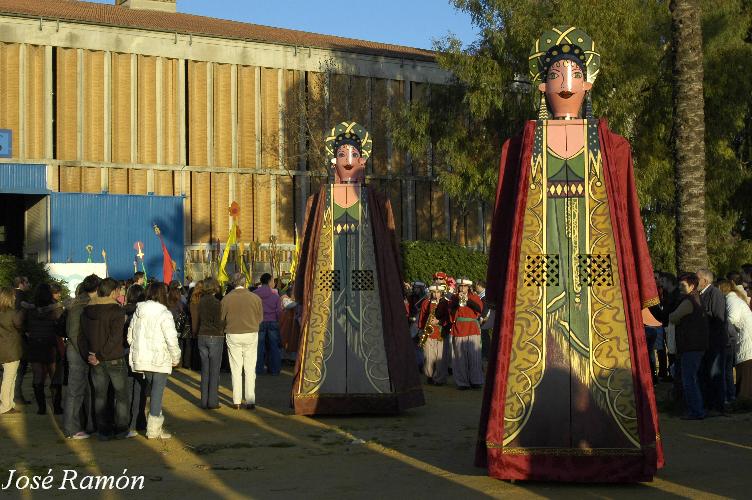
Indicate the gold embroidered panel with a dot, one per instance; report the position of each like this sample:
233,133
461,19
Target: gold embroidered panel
318,331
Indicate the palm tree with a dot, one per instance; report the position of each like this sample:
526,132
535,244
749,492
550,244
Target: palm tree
689,135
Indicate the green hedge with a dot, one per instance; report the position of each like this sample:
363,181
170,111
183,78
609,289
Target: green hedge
11,266
421,259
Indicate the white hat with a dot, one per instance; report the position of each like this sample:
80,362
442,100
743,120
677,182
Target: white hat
436,287
464,281
418,283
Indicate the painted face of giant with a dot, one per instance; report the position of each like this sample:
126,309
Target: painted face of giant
565,88
349,165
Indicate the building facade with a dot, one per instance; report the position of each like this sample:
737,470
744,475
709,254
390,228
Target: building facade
138,99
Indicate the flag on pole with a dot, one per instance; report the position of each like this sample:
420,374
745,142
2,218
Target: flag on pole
295,256
222,276
232,239
139,247
167,266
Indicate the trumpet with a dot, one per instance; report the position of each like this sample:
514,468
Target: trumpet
463,299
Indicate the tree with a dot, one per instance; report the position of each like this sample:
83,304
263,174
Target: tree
689,135
465,123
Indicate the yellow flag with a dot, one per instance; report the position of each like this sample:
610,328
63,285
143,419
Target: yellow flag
295,256
222,276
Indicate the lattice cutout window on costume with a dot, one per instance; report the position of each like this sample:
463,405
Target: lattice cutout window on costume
362,280
330,280
542,270
595,269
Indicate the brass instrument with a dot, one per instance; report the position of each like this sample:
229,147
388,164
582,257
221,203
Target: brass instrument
429,329
463,298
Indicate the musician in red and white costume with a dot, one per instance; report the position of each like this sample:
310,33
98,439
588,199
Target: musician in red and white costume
436,350
465,309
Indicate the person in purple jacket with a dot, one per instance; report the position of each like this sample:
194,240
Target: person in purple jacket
269,340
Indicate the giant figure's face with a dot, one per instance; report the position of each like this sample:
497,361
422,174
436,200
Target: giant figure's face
565,88
349,165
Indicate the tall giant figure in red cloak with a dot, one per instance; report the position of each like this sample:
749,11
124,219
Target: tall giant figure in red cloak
355,353
569,393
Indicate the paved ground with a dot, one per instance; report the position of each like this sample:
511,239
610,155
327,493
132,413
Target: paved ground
269,453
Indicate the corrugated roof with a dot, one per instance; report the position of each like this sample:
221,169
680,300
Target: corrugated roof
171,22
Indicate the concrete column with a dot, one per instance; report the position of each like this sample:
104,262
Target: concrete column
181,113
80,104
107,123
281,162
303,180
234,113
134,108
233,131
257,98
21,132
273,202
210,113
48,92
258,116
159,111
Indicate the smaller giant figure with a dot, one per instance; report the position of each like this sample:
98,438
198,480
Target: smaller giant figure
355,354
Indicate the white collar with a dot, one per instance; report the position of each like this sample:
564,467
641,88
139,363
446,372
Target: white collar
704,289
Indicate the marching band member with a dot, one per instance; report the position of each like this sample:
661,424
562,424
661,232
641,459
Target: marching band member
465,309
432,325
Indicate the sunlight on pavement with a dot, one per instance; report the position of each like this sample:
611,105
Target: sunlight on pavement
720,441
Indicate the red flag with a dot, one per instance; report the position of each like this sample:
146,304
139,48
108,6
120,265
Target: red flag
166,259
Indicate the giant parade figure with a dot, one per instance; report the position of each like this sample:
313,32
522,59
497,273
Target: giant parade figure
569,394
355,354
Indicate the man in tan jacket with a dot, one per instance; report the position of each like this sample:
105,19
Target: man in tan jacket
242,311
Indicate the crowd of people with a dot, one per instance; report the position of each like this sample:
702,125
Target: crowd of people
704,342
115,344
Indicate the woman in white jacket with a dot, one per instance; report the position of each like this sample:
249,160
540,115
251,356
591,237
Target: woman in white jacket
739,315
154,351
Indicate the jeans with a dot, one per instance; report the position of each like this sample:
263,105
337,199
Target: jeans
690,366
137,391
113,372
158,382
210,350
242,349
714,377
78,395
268,339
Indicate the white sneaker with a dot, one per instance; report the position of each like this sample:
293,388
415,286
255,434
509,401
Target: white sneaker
80,435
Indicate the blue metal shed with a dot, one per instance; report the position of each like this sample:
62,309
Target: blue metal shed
114,223
23,178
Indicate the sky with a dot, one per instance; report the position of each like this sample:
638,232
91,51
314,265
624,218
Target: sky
415,23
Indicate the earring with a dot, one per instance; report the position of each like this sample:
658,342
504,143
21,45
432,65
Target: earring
333,161
543,109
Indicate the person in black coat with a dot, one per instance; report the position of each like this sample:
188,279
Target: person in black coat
714,363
